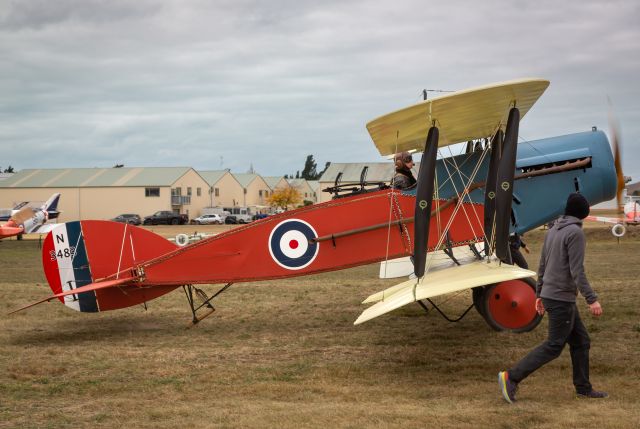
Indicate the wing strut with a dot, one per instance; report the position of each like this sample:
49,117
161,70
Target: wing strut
424,199
490,191
504,188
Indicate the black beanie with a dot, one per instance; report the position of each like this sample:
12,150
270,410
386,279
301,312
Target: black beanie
577,206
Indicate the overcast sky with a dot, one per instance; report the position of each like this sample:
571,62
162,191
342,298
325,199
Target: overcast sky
229,84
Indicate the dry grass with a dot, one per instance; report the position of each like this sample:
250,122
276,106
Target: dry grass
286,354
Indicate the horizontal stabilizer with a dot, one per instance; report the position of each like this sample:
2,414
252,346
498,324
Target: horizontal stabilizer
42,229
86,288
605,219
441,282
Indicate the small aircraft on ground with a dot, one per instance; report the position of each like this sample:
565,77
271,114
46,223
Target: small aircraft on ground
52,211
631,211
27,220
463,208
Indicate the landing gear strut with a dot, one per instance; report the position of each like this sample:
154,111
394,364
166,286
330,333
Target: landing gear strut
190,291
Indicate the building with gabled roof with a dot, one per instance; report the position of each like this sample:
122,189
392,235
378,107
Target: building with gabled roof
224,188
304,188
255,190
103,193
276,182
315,188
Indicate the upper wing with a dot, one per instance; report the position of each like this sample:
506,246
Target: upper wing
444,281
460,116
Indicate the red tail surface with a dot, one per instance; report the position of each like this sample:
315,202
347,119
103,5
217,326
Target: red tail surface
76,254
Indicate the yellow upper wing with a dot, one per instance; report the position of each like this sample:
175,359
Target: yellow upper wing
460,116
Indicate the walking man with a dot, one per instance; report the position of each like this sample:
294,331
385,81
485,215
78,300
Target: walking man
560,277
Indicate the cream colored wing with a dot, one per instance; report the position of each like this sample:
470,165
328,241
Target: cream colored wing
460,116
441,282
437,260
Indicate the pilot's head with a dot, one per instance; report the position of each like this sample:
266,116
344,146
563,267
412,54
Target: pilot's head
403,160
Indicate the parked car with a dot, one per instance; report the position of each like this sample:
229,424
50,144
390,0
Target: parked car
231,219
208,219
166,217
259,216
130,218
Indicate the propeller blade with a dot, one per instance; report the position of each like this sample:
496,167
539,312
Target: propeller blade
424,200
490,191
617,158
504,188
22,215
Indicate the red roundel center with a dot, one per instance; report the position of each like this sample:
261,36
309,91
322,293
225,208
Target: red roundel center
293,244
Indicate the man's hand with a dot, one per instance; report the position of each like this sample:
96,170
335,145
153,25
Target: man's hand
595,309
539,306
526,249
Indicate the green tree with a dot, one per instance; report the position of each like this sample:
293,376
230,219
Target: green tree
9,169
309,172
325,169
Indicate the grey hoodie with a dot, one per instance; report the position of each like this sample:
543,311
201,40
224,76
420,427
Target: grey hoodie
561,273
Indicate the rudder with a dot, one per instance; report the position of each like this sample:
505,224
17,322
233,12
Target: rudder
78,253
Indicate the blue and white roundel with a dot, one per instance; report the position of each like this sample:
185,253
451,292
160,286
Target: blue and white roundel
289,244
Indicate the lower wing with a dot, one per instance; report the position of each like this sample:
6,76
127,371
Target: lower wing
439,283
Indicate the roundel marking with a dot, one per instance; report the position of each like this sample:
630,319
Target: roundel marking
289,244
492,195
505,185
423,204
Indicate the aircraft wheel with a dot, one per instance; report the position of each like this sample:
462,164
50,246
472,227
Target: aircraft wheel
511,305
618,230
182,240
478,300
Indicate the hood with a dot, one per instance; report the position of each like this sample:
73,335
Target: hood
565,220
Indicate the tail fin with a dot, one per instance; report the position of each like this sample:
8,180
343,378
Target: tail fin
51,206
77,254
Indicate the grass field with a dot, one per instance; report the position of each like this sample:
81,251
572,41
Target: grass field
286,354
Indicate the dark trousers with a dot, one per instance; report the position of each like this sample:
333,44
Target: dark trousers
565,327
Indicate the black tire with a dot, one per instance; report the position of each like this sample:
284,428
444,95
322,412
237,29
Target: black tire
510,305
478,300
174,221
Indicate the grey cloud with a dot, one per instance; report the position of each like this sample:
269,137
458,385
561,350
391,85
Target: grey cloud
189,82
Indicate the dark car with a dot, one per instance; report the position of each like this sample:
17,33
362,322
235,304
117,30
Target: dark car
231,219
129,218
167,218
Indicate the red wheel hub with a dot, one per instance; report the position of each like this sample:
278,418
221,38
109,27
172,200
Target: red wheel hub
512,304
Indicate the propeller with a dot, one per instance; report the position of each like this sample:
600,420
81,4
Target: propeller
617,158
490,191
22,215
424,199
504,185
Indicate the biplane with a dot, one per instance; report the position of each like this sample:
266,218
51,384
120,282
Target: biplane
467,203
27,220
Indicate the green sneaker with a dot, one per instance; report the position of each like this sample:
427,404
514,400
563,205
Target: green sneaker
507,387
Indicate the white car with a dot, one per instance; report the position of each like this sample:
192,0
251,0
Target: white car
209,219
